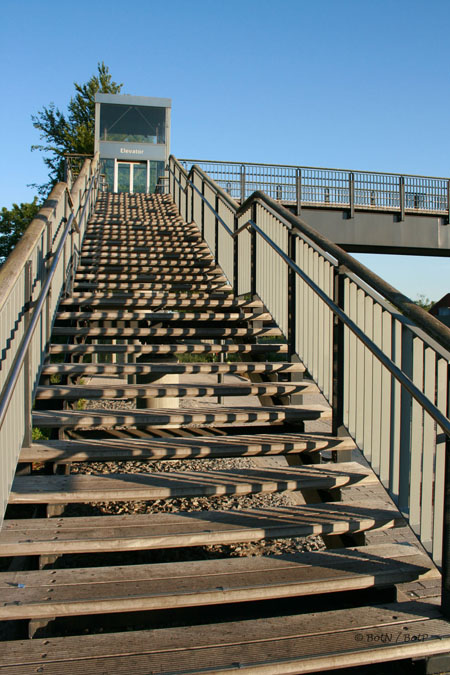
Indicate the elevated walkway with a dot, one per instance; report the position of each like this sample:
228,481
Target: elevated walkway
166,528
361,211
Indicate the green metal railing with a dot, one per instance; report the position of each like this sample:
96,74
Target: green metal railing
382,362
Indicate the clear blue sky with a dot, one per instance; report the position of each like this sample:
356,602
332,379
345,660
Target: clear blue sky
349,83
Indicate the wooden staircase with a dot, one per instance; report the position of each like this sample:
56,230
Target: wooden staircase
143,533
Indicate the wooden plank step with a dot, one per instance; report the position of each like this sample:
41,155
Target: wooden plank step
168,331
82,488
148,256
116,450
170,300
144,240
135,285
282,645
236,368
75,392
105,534
190,267
272,348
156,245
209,275
167,417
170,316
162,296
76,592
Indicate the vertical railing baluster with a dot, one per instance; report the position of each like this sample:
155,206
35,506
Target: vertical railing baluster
338,353
242,177
236,259
292,300
445,596
253,284
401,188
298,191
28,393
216,229
351,194
202,210
448,202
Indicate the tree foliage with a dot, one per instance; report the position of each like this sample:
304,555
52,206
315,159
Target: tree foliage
424,302
72,131
13,223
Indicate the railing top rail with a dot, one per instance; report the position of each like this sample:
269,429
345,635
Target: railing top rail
425,321
432,326
14,264
14,373
314,168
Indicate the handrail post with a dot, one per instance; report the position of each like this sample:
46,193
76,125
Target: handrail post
49,294
292,301
27,398
203,210
445,596
242,183
338,353
401,187
253,285
216,230
236,259
351,194
448,202
298,191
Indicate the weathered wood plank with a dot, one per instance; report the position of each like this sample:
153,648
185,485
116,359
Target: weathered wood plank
177,448
74,392
47,536
270,646
82,419
50,593
121,486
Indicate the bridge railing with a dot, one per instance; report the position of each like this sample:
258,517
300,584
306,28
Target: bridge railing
32,280
330,188
382,362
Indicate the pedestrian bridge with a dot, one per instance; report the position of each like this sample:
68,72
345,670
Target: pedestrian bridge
152,526
365,212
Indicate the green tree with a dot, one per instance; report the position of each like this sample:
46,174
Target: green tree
424,302
13,223
73,131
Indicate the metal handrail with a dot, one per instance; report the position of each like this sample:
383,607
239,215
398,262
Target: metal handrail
313,168
366,327
423,319
319,187
19,360
348,261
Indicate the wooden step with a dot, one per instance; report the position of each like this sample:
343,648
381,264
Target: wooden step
51,593
281,645
167,332
171,316
236,368
136,285
164,349
116,450
167,417
209,276
144,268
166,258
81,488
75,392
170,300
105,534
